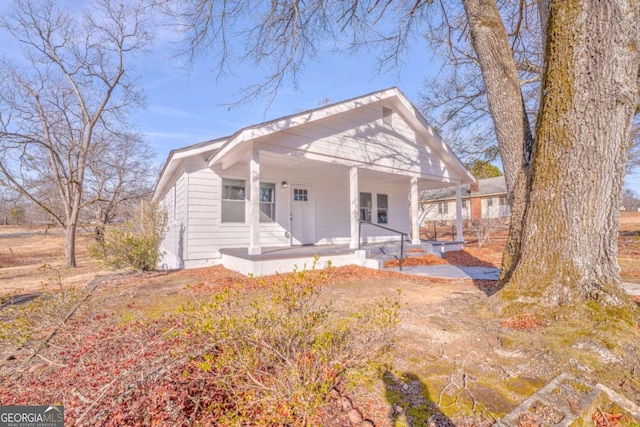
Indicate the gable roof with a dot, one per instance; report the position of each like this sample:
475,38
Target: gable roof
221,150
496,186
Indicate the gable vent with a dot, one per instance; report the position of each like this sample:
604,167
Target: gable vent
387,116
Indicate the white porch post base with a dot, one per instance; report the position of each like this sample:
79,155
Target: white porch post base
415,214
255,250
354,196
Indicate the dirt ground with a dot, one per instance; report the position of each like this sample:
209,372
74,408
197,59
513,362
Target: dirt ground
453,364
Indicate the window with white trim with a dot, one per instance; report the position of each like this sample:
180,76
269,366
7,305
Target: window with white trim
366,205
489,201
377,212
233,200
300,195
443,207
267,202
382,201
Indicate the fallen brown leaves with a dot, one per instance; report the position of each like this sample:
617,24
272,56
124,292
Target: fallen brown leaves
426,259
608,419
522,322
472,257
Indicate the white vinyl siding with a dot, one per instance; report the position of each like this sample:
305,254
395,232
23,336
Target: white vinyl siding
495,207
359,136
205,189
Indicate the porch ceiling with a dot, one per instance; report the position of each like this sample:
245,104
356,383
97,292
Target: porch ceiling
293,165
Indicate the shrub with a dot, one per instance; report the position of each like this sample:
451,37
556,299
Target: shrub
276,359
135,244
30,317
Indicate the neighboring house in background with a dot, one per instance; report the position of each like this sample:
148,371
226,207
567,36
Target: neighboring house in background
304,179
486,198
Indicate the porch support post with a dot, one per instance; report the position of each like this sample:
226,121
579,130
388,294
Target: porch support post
459,237
415,212
254,203
354,196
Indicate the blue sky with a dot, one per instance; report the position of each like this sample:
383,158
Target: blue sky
186,105
189,105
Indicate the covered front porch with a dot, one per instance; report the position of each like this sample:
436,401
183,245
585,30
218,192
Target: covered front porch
323,203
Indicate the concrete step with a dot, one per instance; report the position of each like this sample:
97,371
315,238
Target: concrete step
374,256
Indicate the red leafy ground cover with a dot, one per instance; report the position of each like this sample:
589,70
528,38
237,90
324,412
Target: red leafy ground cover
110,372
523,322
473,257
426,259
470,257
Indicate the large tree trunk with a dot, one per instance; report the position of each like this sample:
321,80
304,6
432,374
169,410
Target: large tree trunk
569,248
491,43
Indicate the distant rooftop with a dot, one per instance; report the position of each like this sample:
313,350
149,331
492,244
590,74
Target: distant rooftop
486,187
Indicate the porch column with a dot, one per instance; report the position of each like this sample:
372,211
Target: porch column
354,196
459,237
254,203
415,212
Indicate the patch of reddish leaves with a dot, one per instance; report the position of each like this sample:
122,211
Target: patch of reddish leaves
608,419
112,374
426,259
522,322
472,257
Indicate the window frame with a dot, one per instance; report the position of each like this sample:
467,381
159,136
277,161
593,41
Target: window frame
384,210
273,203
372,213
227,182
365,213
443,208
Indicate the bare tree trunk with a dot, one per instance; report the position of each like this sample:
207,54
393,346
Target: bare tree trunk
569,247
491,43
70,244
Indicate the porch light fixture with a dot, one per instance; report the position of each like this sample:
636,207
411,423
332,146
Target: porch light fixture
284,184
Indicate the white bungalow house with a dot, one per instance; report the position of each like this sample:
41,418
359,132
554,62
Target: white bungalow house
484,199
258,200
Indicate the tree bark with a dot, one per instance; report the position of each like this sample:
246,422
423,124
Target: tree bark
70,244
504,97
568,253
491,43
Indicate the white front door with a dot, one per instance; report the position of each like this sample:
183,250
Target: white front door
302,218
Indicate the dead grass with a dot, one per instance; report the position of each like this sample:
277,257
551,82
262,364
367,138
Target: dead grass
29,260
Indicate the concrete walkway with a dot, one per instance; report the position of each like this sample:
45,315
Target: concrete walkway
449,271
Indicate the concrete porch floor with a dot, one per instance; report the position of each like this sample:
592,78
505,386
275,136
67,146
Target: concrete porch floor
282,259
304,251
